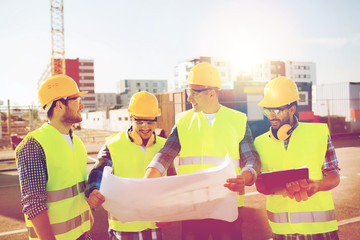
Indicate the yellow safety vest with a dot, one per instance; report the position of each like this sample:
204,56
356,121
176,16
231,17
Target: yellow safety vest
129,161
307,147
68,210
204,146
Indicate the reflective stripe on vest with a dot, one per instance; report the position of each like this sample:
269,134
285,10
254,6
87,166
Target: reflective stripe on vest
302,217
206,160
64,227
54,196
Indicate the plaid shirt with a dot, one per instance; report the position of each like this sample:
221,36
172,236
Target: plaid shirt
249,158
32,170
321,236
148,234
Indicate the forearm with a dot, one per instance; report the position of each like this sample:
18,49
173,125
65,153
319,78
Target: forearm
42,226
328,182
95,176
303,189
249,158
32,172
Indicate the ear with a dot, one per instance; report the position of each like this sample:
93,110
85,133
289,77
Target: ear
292,109
59,105
212,93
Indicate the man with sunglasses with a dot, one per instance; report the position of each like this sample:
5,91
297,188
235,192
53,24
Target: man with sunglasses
203,136
304,209
51,164
129,153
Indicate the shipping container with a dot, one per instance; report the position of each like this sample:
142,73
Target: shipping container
341,100
170,104
246,97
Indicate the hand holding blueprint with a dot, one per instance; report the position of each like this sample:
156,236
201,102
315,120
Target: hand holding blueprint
197,195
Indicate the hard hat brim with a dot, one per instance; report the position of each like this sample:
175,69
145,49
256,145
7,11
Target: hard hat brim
72,96
208,86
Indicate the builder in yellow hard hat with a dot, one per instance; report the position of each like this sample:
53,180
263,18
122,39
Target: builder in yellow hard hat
306,209
128,153
203,136
52,163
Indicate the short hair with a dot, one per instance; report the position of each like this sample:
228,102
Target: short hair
50,113
295,103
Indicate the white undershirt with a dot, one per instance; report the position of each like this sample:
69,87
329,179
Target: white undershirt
143,148
210,117
68,139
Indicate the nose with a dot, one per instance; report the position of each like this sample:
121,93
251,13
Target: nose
81,105
190,97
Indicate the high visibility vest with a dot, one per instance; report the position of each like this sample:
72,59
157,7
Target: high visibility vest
68,210
307,147
204,146
129,161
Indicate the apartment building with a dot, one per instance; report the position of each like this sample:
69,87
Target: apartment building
182,71
128,87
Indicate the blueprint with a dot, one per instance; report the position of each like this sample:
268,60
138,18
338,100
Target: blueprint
197,195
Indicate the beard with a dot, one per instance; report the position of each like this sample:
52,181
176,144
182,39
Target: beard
71,117
282,123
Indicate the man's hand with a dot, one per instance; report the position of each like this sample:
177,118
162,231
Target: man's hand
238,184
152,173
297,189
95,199
313,187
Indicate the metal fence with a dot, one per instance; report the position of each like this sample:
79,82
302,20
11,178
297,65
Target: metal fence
341,115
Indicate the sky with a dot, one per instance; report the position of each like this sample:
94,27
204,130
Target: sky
141,39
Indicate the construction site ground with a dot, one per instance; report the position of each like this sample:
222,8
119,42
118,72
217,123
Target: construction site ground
346,195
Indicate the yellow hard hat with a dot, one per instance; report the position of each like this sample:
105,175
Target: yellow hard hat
279,92
144,104
204,74
56,87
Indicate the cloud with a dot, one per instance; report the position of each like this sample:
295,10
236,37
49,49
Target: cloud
335,42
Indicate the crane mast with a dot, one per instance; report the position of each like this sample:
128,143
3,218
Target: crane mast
57,38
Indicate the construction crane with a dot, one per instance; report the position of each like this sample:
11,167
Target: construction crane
57,38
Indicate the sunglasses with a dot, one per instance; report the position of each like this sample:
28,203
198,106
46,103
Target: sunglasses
143,121
76,99
195,92
274,111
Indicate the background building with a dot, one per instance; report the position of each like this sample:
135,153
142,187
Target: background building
223,66
267,70
82,71
301,71
297,71
105,100
126,88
